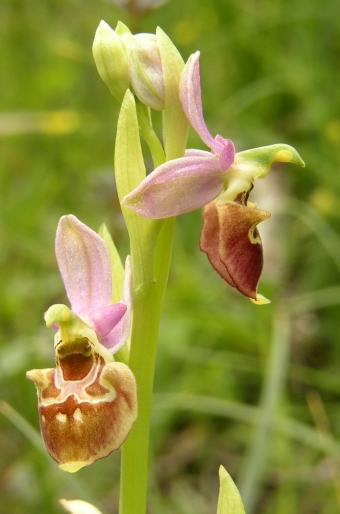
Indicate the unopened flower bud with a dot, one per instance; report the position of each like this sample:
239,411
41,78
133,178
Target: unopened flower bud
111,59
146,73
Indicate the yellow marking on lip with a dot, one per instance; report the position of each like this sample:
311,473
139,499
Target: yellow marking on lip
254,239
61,417
77,415
72,467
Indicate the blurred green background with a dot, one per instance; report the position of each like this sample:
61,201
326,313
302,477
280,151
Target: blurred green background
256,389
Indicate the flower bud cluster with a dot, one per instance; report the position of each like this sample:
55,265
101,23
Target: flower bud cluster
127,61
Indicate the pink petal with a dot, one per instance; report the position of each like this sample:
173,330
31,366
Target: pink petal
178,186
227,154
104,319
190,96
120,333
84,264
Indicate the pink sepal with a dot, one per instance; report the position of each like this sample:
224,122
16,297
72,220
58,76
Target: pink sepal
178,186
191,100
84,263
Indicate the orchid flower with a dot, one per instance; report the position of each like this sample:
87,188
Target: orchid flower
84,263
220,181
87,403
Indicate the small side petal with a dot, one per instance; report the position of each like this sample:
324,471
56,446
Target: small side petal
240,247
84,264
190,96
227,153
178,186
118,336
104,319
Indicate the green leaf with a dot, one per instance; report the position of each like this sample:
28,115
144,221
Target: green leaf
229,499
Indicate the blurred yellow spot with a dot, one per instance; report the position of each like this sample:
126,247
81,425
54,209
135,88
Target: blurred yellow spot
284,156
51,122
185,32
332,131
324,200
78,507
59,122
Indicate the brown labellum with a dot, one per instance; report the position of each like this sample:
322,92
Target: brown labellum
233,245
86,406
210,240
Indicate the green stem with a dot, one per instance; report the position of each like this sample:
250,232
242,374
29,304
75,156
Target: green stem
149,135
150,262
146,316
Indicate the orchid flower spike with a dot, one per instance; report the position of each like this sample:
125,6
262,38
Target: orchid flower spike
220,181
87,403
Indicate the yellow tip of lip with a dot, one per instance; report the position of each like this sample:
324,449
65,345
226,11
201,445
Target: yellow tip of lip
72,467
260,300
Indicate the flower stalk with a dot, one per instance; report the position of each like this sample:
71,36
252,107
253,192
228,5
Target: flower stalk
151,245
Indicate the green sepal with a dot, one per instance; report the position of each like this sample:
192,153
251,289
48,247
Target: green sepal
122,29
175,123
229,499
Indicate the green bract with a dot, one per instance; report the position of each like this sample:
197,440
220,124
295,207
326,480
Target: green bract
229,499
